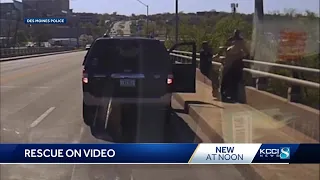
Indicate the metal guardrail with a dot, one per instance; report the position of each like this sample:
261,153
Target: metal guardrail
183,57
284,78
297,68
12,52
291,67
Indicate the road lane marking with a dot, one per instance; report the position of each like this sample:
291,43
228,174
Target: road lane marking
73,171
108,114
40,118
80,136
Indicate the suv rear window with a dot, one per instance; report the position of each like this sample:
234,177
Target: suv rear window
138,55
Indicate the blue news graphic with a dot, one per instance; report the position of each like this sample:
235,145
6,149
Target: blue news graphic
45,20
96,153
288,153
160,153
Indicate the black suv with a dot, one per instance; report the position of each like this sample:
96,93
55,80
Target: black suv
131,70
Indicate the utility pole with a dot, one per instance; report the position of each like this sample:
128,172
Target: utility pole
18,18
9,29
234,7
166,36
259,9
177,21
147,19
257,23
258,38
147,6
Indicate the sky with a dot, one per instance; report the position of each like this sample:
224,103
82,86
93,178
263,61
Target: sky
128,7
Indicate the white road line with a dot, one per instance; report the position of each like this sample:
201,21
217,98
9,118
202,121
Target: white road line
80,136
108,113
40,118
73,171
41,87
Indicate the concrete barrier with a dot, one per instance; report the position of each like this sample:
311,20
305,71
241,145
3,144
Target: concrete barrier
36,55
214,123
22,51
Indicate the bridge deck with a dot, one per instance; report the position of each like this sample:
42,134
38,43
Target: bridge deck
213,115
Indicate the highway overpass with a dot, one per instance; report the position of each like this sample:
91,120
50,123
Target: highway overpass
41,103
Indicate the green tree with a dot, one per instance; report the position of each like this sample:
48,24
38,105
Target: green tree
225,27
85,39
216,27
95,31
22,36
42,33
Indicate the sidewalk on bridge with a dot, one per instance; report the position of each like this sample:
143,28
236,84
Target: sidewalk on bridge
240,123
212,116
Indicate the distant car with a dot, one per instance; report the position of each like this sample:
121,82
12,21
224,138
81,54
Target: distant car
106,35
30,45
88,46
132,70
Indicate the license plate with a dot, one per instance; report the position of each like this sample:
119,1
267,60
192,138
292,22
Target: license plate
127,82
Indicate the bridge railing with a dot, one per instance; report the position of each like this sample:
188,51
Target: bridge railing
184,56
306,118
298,68
23,51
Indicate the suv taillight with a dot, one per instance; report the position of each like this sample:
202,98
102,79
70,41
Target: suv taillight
84,77
170,79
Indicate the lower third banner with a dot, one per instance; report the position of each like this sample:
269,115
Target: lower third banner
159,153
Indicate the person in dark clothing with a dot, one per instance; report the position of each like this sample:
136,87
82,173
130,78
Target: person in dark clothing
205,59
206,63
236,36
233,67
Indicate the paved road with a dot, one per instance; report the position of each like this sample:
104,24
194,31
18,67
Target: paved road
124,26
41,103
126,29
115,27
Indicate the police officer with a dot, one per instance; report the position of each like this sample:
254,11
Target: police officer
233,67
235,37
151,35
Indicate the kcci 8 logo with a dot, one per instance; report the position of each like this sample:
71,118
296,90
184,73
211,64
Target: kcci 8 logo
282,153
285,153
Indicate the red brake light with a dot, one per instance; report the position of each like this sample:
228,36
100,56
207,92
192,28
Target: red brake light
85,80
84,77
170,79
